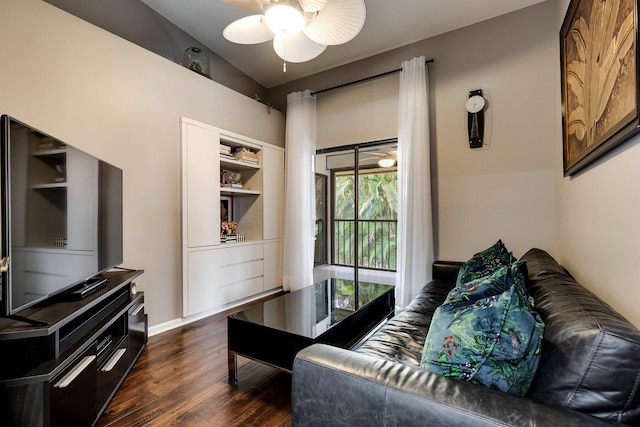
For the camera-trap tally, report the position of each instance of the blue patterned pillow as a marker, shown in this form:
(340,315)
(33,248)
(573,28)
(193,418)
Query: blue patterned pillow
(495,283)
(494,340)
(485,262)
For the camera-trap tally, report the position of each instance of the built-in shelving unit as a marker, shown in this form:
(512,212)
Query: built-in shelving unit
(219,274)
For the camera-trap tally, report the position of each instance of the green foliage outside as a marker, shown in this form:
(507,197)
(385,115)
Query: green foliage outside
(378,213)
(367,292)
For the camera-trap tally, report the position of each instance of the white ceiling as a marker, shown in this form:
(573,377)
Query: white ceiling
(389,24)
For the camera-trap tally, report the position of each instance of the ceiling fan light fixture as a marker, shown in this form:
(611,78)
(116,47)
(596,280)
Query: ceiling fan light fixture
(297,48)
(284,19)
(248,30)
(300,29)
(337,23)
(386,162)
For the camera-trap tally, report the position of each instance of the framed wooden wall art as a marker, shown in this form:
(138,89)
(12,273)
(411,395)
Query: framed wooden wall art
(599,62)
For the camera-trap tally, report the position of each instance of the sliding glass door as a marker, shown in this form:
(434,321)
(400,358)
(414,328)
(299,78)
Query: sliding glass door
(363,211)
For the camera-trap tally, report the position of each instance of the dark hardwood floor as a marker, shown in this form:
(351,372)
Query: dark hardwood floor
(181,379)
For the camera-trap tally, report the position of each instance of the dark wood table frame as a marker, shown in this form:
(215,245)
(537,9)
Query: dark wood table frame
(278,348)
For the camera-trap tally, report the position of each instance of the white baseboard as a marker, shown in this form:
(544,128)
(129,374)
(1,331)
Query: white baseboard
(176,323)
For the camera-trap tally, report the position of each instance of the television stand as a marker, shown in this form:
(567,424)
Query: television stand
(88,287)
(66,373)
(26,320)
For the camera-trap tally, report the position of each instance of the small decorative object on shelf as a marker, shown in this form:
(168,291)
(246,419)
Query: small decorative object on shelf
(227,227)
(243,154)
(225,152)
(48,143)
(232,238)
(62,171)
(230,179)
(196,60)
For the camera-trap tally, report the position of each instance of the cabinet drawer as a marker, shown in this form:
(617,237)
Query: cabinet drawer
(73,398)
(239,290)
(238,254)
(242,271)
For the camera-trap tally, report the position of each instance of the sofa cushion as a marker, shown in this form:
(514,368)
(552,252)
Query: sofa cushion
(401,338)
(485,262)
(590,360)
(489,336)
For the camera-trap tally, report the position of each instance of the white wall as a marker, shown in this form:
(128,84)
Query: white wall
(121,103)
(504,191)
(598,227)
(515,189)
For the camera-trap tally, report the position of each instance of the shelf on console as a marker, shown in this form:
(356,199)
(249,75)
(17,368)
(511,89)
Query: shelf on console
(50,185)
(227,191)
(51,152)
(237,165)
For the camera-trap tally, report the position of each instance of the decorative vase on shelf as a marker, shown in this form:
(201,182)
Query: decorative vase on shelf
(196,60)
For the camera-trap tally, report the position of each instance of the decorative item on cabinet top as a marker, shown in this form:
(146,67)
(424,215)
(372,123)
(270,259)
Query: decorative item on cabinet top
(196,60)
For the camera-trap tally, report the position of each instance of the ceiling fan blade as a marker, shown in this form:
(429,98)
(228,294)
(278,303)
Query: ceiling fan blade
(248,30)
(312,5)
(297,48)
(338,22)
(245,4)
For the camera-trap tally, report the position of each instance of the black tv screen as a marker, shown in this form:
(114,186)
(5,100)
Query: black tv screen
(61,216)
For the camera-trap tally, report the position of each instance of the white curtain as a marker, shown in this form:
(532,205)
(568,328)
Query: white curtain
(297,265)
(415,230)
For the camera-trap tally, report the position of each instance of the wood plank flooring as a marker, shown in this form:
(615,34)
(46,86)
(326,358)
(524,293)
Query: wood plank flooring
(181,378)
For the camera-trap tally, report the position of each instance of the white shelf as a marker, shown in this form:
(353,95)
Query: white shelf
(50,185)
(50,152)
(236,165)
(227,191)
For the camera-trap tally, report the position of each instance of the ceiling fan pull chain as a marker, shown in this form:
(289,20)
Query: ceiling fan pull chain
(284,54)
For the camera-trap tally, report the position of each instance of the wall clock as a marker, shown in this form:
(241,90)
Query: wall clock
(475,118)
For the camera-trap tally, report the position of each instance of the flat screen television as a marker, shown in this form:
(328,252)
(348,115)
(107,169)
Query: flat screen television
(61,216)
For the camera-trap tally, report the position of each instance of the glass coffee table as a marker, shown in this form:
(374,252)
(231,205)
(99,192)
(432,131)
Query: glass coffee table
(335,311)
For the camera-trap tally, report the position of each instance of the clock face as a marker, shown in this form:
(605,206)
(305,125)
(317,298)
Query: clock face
(475,104)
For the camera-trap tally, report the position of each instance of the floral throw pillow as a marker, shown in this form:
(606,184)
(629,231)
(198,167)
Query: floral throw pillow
(485,262)
(494,283)
(494,340)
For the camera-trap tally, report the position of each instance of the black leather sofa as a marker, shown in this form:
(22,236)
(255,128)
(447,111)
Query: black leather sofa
(588,375)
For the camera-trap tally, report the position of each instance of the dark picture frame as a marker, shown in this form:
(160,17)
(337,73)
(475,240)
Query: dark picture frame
(226,209)
(599,79)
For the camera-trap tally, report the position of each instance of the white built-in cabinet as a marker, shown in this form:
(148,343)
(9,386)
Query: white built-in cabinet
(217,275)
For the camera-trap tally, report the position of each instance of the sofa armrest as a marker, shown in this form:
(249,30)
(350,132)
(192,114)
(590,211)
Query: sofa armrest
(337,387)
(445,270)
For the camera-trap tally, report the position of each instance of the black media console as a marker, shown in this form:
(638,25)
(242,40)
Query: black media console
(64,367)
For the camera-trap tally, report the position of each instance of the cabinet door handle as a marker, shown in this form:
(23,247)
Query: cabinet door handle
(137,309)
(114,359)
(73,374)
(4,264)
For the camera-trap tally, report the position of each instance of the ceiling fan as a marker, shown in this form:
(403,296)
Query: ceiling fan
(300,29)
(386,159)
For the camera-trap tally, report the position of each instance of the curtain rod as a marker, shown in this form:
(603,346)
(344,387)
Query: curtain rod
(350,147)
(377,76)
